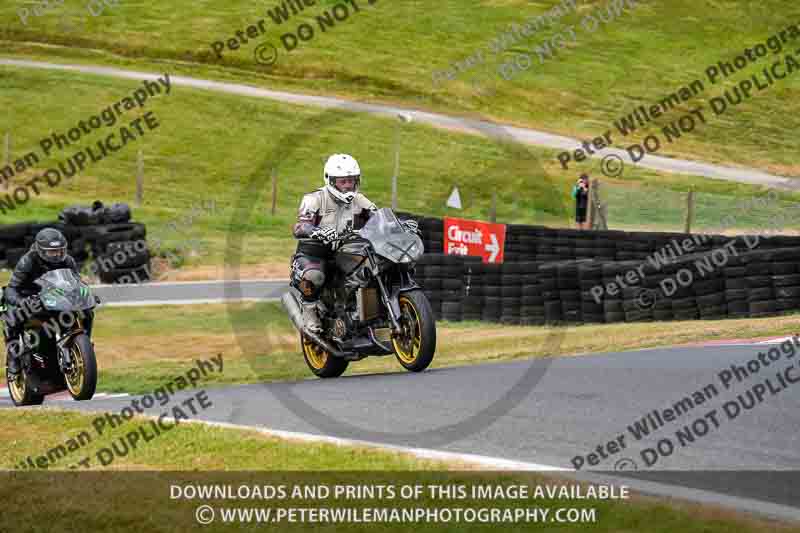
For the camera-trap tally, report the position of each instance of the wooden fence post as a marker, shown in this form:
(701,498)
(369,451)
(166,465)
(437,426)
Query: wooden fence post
(6,154)
(139,178)
(598,210)
(493,209)
(603,216)
(274,191)
(689,211)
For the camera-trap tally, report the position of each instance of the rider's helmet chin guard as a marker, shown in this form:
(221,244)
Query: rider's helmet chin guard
(341,166)
(51,246)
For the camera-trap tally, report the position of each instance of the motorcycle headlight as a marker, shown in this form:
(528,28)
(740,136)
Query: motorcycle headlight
(414,253)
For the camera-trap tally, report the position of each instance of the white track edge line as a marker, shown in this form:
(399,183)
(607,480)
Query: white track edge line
(201,282)
(772,510)
(146,303)
(767,509)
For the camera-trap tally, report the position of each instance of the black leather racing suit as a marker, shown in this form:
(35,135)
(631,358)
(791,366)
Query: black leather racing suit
(21,285)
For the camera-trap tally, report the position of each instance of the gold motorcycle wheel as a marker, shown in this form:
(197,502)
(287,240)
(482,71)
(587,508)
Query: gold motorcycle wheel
(415,346)
(21,393)
(320,361)
(82,379)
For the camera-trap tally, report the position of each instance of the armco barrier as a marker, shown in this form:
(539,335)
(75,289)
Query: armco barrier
(567,276)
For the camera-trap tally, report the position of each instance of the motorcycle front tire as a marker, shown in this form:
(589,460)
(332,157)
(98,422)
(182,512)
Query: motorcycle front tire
(82,381)
(416,347)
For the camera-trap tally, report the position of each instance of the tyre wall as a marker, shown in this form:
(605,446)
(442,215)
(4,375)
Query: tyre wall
(568,276)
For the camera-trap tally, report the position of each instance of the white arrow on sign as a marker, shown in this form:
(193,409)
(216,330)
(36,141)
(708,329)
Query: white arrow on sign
(493,247)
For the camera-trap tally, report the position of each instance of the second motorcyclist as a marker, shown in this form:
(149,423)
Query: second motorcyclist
(48,252)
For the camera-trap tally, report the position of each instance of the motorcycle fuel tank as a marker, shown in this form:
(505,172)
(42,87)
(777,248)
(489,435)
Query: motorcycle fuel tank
(350,256)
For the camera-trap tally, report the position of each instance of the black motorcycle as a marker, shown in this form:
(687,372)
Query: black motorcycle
(55,346)
(371,304)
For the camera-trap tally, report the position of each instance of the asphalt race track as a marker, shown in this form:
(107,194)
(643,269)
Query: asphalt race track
(189,292)
(580,403)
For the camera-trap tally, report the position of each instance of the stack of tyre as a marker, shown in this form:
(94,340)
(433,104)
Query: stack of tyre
(736,294)
(662,308)
(452,292)
(551,297)
(532,302)
(119,249)
(511,280)
(786,278)
(432,234)
(584,242)
(565,245)
(520,243)
(680,297)
(635,247)
(545,244)
(771,281)
(604,245)
(569,291)
(453,285)
(492,305)
(16,240)
(709,292)
(590,275)
(760,278)
(473,283)
(428,274)
(611,297)
(120,253)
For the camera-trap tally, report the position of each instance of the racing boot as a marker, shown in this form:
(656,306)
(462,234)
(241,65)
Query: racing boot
(10,334)
(311,322)
(12,360)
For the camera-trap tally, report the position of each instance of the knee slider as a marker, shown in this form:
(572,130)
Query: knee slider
(311,282)
(317,277)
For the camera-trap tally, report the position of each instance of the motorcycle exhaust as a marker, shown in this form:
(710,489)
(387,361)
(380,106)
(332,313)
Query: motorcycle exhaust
(292,306)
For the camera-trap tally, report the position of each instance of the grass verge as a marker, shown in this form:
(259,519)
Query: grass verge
(604,71)
(228,155)
(202,455)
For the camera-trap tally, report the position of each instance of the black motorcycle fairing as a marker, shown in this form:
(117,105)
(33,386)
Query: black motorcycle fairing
(63,290)
(48,334)
(405,283)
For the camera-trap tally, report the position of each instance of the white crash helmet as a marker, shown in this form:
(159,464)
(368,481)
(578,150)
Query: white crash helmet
(342,166)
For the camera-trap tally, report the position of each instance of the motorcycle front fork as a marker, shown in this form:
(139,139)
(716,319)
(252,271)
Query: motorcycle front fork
(64,356)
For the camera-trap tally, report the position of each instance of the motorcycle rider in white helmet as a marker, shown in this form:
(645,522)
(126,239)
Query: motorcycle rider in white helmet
(332,210)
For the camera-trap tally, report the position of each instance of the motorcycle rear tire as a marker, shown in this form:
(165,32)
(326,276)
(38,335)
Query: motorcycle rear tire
(320,361)
(418,354)
(83,358)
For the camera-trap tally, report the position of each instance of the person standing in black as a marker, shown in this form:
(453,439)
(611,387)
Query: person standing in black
(580,192)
